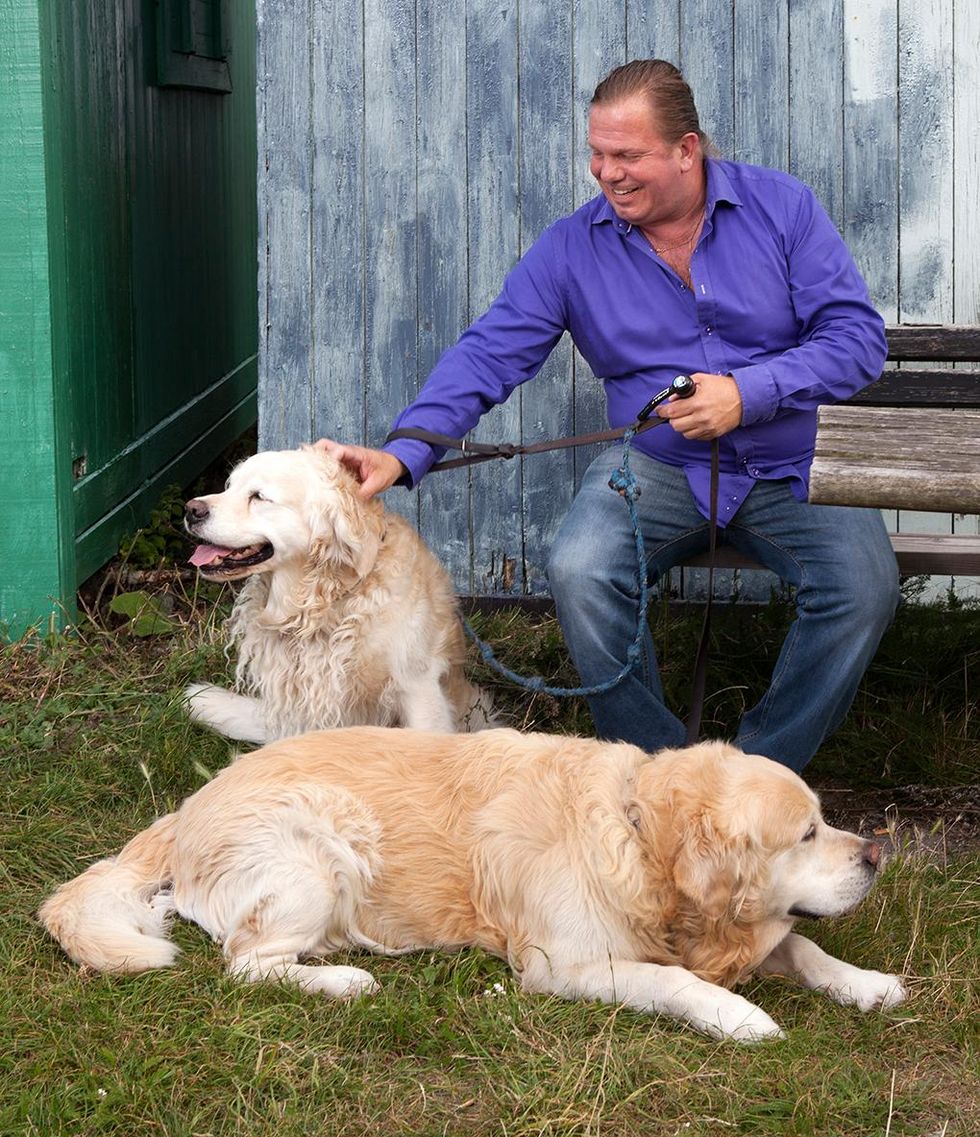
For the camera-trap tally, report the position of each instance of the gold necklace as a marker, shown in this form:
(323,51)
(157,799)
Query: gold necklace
(692,233)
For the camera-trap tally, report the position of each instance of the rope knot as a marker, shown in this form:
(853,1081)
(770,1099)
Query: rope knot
(623,482)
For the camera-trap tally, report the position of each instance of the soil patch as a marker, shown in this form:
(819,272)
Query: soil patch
(943,821)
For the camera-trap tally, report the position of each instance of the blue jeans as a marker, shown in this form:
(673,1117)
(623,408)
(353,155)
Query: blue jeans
(840,561)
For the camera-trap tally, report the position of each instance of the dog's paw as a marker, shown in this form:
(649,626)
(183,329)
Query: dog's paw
(742,1021)
(871,990)
(196,694)
(338,982)
(235,716)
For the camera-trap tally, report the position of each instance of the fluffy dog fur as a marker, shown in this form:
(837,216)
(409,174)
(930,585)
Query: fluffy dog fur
(597,871)
(347,619)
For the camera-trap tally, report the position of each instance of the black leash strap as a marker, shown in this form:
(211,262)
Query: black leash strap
(473,452)
(701,660)
(681,387)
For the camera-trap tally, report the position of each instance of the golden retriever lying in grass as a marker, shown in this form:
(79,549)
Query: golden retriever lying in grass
(347,619)
(595,870)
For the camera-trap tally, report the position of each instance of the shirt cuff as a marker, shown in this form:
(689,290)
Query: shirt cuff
(415,456)
(760,397)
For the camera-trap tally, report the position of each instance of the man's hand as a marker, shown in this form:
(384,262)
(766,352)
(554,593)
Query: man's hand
(714,409)
(376,470)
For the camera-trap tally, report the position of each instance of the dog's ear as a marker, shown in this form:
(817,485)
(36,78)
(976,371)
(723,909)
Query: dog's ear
(710,867)
(345,532)
(717,871)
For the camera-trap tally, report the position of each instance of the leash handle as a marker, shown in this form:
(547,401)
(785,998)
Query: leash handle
(683,386)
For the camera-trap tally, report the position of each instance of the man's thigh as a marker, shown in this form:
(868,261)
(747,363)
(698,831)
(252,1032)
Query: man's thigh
(806,544)
(600,527)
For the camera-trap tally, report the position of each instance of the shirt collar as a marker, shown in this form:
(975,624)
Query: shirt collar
(720,189)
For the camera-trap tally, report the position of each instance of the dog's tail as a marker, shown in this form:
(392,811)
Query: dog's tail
(114,917)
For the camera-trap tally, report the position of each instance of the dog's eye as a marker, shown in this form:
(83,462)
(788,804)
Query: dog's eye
(810,833)
(256,496)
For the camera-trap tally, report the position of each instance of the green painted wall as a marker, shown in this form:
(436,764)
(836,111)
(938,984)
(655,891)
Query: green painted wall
(140,266)
(36,526)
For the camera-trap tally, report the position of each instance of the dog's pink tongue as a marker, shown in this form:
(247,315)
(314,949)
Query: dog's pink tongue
(205,554)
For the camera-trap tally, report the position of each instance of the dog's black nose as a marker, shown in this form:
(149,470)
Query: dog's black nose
(195,510)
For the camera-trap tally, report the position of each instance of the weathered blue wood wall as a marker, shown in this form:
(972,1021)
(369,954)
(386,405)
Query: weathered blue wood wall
(410,151)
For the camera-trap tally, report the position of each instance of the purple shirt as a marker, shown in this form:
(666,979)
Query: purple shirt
(776,301)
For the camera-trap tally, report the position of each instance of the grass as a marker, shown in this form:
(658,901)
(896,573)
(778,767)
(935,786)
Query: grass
(95,745)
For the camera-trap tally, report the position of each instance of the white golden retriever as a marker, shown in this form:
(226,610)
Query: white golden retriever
(595,870)
(347,619)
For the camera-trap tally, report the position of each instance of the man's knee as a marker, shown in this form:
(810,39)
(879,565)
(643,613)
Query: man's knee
(570,569)
(875,583)
(865,590)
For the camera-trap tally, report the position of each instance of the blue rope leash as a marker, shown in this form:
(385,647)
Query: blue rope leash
(623,480)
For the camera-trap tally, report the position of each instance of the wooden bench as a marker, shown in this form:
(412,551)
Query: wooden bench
(910,440)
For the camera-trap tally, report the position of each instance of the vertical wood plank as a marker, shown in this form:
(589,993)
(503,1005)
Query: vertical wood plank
(816,113)
(547,410)
(35,513)
(390,211)
(337,369)
(966,178)
(925,193)
(707,60)
(290,276)
(871,146)
(598,45)
(925,106)
(761,80)
(442,250)
(966,142)
(653,30)
(492,212)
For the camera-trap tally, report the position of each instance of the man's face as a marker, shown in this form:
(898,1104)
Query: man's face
(645,179)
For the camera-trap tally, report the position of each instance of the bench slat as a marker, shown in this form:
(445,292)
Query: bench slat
(916,553)
(887,458)
(933,341)
(924,387)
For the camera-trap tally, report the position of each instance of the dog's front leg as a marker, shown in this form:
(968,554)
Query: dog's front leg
(235,716)
(657,989)
(800,959)
(423,703)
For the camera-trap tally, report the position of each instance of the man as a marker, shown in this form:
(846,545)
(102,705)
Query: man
(735,275)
